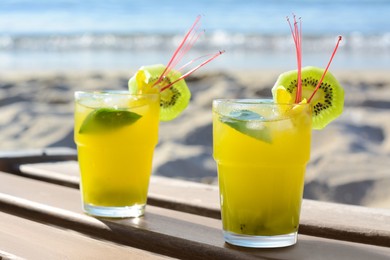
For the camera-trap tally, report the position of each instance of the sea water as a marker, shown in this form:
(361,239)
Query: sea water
(125,34)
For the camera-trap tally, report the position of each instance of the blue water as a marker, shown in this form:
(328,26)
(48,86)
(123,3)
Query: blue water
(114,34)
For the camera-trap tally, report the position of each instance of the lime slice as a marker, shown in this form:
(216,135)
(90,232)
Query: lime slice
(249,123)
(107,119)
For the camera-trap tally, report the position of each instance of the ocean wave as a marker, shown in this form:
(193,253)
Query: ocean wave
(354,42)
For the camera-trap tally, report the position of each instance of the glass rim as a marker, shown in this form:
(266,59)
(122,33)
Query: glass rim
(255,101)
(79,93)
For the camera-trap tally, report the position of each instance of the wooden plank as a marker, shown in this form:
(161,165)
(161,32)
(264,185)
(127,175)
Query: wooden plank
(25,239)
(10,160)
(346,222)
(331,220)
(161,230)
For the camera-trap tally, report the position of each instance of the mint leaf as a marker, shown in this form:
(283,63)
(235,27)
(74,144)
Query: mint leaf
(248,123)
(107,119)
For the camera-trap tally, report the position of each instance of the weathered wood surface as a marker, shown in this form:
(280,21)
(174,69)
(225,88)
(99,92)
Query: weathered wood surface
(330,220)
(21,238)
(10,160)
(161,231)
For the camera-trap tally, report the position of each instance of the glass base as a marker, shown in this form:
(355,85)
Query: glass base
(115,212)
(260,241)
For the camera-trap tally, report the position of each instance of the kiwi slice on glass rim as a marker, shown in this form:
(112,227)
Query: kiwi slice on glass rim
(312,85)
(169,82)
(173,100)
(327,103)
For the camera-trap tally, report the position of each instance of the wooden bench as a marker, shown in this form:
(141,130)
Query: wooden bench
(41,218)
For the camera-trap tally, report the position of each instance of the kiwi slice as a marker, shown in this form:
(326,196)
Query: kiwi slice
(327,103)
(173,100)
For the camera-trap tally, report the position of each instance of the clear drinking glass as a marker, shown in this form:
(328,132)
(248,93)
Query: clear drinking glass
(116,133)
(261,150)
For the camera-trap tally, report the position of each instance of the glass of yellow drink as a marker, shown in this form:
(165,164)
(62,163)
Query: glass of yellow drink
(261,150)
(116,133)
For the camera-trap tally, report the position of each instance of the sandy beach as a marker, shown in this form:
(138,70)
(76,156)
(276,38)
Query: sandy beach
(349,159)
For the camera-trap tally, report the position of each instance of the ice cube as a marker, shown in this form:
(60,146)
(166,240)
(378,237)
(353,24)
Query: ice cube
(255,125)
(90,102)
(116,101)
(283,125)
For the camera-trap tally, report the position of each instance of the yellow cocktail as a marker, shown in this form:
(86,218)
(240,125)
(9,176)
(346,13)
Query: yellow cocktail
(116,134)
(261,150)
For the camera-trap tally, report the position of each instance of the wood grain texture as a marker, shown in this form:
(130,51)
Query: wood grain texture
(25,239)
(10,160)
